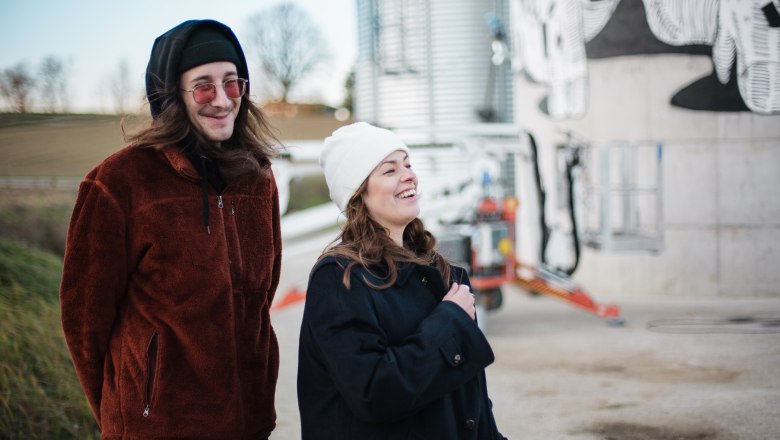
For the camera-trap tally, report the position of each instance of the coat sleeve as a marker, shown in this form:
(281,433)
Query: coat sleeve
(93,283)
(382,382)
(277,244)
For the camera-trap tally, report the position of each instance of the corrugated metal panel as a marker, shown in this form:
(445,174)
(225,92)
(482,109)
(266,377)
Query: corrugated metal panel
(403,100)
(427,63)
(364,99)
(461,53)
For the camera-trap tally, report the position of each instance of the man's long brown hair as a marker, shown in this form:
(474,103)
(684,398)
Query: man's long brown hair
(366,243)
(247,154)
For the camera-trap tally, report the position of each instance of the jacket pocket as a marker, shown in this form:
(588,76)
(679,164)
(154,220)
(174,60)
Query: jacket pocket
(152,366)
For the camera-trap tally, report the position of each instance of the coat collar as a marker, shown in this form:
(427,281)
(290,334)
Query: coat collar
(431,274)
(180,163)
(405,271)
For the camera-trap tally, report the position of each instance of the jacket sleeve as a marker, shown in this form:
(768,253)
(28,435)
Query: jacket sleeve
(93,283)
(382,382)
(277,244)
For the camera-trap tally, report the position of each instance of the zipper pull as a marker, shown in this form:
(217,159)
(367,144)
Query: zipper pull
(232,208)
(219,201)
(146,410)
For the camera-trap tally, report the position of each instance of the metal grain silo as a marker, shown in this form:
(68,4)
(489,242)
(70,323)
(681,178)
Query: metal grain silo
(431,68)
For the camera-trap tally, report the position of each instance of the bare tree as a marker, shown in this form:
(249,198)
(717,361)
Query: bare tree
(53,85)
(288,45)
(120,87)
(16,84)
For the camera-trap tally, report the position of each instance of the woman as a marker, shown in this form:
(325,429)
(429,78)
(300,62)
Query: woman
(389,346)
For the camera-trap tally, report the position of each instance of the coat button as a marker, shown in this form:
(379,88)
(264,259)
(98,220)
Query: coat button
(457,359)
(470,424)
(424,281)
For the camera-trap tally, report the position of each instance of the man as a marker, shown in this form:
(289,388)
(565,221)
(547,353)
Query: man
(173,256)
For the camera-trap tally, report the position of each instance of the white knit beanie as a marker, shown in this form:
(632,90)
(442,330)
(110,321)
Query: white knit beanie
(351,153)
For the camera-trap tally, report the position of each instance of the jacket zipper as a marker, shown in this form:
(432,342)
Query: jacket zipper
(152,362)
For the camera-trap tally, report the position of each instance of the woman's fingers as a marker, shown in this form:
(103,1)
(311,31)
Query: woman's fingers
(461,295)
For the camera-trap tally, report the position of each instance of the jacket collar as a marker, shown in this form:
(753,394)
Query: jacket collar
(374,275)
(405,272)
(429,275)
(180,163)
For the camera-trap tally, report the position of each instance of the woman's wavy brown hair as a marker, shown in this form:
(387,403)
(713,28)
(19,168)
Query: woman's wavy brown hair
(247,154)
(366,243)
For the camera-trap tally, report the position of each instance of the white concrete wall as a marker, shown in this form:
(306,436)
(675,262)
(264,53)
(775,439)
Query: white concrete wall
(721,176)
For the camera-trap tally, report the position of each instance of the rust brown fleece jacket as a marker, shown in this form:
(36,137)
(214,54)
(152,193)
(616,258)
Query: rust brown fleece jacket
(168,325)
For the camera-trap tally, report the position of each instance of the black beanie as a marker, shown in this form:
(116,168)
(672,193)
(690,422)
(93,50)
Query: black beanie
(207,45)
(179,47)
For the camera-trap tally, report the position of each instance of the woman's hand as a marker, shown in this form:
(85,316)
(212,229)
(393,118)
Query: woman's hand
(461,295)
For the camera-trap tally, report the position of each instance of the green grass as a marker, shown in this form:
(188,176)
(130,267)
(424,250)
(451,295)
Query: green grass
(307,192)
(37,218)
(40,397)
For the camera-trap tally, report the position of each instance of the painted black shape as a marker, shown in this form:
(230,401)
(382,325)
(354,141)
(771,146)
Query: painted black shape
(627,33)
(771,14)
(544,106)
(709,94)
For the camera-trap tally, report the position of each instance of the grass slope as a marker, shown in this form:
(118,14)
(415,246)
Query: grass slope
(40,397)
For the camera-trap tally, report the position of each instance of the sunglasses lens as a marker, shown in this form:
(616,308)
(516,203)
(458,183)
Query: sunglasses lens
(204,93)
(234,88)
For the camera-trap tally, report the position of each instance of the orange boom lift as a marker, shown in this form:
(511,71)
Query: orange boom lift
(493,264)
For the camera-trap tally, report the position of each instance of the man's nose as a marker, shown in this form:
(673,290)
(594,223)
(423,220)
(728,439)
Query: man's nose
(221,99)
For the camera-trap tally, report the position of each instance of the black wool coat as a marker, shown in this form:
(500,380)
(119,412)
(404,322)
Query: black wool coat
(394,364)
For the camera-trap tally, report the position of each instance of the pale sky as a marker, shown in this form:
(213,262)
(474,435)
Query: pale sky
(94,36)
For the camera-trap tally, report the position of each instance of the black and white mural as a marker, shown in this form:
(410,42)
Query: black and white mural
(553,39)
